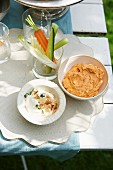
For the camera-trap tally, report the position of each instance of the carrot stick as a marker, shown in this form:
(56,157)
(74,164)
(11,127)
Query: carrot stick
(40,40)
(43,36)
(39,34)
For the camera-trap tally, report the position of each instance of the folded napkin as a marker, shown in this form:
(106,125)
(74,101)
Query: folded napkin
(60,152)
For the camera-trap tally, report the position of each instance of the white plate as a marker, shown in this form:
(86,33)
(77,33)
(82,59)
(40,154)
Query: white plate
(48,3)
(48,86)
(76,117)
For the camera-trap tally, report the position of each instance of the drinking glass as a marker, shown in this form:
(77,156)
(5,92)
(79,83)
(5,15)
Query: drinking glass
(40,69)
(41,18)
(5,50)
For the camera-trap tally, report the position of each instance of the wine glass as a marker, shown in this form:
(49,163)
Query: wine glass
(5,50)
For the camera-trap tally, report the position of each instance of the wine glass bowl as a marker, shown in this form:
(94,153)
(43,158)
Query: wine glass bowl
(5,50)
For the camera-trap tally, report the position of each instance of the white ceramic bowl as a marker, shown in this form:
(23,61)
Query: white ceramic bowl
(46,85)
(82,59)
(4,8)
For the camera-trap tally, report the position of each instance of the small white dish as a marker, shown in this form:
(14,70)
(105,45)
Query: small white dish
(82,59)
(49,87)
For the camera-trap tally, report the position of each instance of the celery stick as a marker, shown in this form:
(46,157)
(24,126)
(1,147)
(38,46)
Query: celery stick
(31,23)
(50,50)
(36,53)
(61,43)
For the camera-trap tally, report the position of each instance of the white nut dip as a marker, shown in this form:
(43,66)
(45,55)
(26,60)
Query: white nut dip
(41,102)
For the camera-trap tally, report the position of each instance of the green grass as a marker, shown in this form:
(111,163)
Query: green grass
(108,8)
(84,160)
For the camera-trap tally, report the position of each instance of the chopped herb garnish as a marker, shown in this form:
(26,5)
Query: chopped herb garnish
(42,95)
(31,92)
(42,111)
(25,96)
(37,106)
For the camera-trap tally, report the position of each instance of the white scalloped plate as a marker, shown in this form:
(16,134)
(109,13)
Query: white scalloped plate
(16,73)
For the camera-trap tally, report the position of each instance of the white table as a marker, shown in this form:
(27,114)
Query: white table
(92,2)
(88,17)
(99,135)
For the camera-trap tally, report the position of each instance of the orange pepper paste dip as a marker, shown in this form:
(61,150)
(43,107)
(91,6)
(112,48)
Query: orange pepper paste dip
(83,80)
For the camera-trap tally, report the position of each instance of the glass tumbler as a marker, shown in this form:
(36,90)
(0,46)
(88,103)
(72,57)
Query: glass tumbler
(43,71)
(5,50)
(41,18)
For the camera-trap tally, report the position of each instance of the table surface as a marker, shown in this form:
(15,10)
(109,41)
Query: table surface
(94,23)
(99,135)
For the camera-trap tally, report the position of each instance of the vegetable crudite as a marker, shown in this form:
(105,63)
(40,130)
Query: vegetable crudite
(42,47)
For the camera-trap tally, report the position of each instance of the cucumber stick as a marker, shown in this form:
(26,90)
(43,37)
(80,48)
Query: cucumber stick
(50,49)
(55,27)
